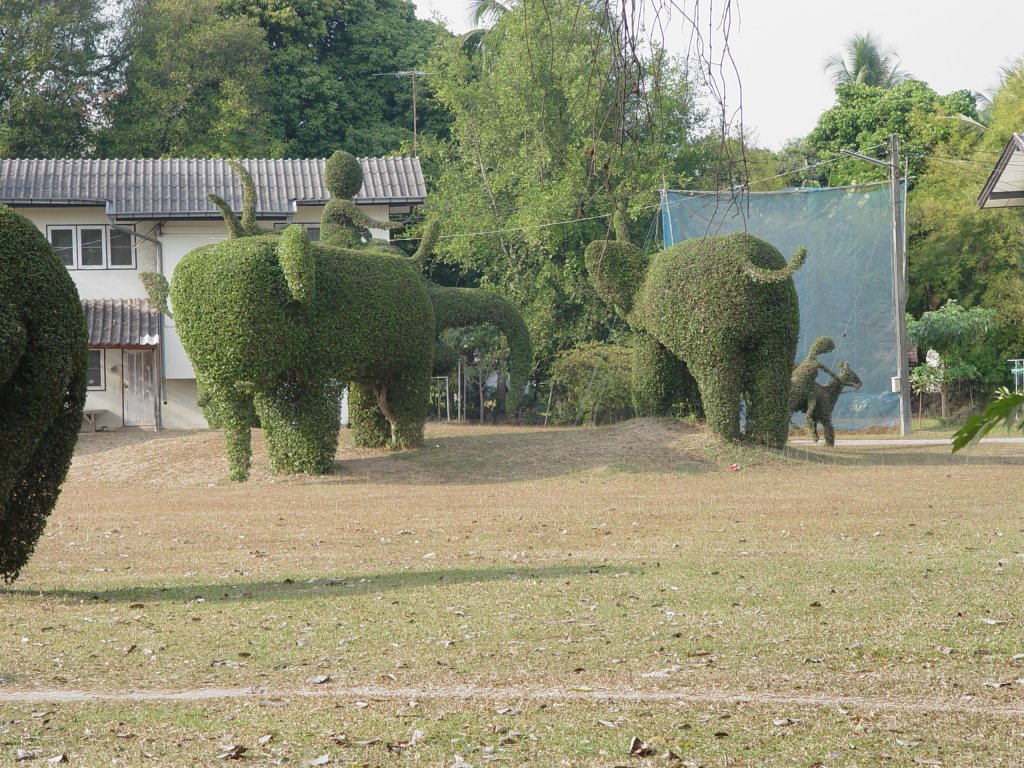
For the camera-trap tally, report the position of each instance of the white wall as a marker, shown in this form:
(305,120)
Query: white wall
(111,397)
(180,410)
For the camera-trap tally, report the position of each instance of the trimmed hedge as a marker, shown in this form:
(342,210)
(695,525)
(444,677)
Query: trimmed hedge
(727,307)
(43,373)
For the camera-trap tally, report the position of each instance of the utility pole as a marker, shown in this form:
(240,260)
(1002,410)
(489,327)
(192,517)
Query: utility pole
(414,74)
(899,259)
(901,382)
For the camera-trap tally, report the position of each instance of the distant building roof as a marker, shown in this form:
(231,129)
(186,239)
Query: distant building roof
(117,323)
(1005,187)
(177,188)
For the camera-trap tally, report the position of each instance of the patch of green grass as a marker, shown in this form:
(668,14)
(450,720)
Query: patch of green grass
(624,559)
(503,732)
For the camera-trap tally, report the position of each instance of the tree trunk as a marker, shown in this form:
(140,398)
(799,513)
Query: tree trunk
(483,383)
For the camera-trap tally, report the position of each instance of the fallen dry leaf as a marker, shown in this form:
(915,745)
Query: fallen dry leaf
(639,748)
(232,752)
(324,759)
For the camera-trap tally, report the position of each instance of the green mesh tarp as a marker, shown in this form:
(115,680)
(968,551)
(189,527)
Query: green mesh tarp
(845,288)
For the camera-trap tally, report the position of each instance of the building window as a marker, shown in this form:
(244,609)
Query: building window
(96,378)
(92,247)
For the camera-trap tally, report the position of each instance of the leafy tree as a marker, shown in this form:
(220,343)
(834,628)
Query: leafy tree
(194,84)
(593,383)
(52,66)
(865,62)
(332,69)
(486,352)
(952,331)
(959,251)
(550,126)
(864,116)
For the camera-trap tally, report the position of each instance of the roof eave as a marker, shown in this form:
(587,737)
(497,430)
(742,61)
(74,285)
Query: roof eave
(989,195)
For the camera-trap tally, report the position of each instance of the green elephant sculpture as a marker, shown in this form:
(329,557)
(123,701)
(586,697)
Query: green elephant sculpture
(43,373)
(277,326)
(722,309)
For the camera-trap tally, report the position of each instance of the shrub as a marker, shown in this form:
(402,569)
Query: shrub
(43,372)
(592,383)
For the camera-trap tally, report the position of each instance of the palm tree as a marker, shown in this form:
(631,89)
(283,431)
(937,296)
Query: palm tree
(484,12)
(865,62)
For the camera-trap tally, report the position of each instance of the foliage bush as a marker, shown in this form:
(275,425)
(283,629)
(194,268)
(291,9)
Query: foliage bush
(727,307)
(592,383)
(43,373)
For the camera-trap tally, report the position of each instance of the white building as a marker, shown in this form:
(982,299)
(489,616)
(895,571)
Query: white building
(109,220)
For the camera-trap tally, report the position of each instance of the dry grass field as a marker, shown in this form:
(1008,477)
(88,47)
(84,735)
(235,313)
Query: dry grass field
(521,596)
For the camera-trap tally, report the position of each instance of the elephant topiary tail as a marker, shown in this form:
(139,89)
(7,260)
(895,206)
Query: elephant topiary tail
(461,307)
(761,275)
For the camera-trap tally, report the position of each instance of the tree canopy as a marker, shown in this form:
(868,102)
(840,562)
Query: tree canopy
(549,126)
(52,69)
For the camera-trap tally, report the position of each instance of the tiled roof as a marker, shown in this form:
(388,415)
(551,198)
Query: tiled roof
(121,323)
(178,187)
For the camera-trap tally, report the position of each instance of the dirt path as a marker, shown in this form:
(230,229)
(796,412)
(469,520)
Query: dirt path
(469,693)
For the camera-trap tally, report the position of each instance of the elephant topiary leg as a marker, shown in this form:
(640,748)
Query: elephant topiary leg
(231,410)
(768,380)
(721,398)
(301,423)
(407,400)
(369,427)
(661,380)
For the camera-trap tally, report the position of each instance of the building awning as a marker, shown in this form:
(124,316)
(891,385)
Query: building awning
(121,323)
(1005,187)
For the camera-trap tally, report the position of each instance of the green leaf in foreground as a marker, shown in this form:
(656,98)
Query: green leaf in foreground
(1004,409)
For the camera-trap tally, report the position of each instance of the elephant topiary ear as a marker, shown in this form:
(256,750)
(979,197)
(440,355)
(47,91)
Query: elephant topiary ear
(343,176)
(298,262)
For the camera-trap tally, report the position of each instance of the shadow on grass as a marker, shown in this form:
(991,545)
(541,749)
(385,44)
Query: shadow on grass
(329,587)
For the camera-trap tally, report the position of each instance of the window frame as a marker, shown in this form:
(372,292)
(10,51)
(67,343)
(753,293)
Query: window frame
(102,386)
(106,240)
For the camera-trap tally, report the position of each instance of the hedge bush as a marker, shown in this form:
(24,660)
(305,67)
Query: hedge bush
(592,383)
(43,373)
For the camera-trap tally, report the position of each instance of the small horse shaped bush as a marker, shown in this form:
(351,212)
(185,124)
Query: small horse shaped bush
(825,397)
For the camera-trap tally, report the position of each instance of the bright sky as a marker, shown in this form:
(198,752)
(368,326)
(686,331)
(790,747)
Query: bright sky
(780,48)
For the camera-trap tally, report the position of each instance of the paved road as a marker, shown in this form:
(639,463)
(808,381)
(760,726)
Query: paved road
(910,441)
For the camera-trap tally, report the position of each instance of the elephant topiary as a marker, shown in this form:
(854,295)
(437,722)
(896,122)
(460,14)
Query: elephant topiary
(43,373)
(726,307)
(281,325)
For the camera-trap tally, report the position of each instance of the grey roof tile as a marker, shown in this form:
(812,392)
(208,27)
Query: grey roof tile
(178,187)
(114,323)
